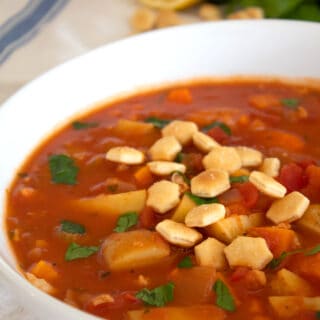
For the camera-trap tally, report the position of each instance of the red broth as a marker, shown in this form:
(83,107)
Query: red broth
(278,119)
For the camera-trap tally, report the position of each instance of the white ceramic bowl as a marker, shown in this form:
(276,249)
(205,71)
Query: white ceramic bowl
(272,48)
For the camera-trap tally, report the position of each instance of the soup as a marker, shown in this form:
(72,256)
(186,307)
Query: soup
(189,202)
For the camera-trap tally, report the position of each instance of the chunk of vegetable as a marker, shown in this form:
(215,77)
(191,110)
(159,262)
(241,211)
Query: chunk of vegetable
(203,312)
(310,221)
(129,127)
(113,204)
(229,228)
(185,205)
(41,284)
(287,283)
(190,292)
(133,249)
(44,270)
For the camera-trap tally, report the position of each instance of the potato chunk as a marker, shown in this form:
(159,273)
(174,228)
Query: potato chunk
(134,249)
(248,252)
(310,221)
(229,228)
(287,283)
(185,205)
(113,204)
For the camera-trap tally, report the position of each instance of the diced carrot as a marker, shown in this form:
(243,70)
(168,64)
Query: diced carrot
(44,270)
(279,240)
(181,95)
(147,218)
(244,120)
(264,101)
(144,177)
(313,174)
(306,266)
(282,139)
(41,244)
(302,113)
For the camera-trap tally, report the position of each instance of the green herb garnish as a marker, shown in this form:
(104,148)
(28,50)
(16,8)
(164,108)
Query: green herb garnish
(290,103)
(179,158)
(63,169)
(125,221)
(78,125)
(239,179)
(158,123)
(72,227)
(182,175)
(185,263)
(220,125)
(199,201)
(157,297)
(313,251)
(224,298)
(76,251)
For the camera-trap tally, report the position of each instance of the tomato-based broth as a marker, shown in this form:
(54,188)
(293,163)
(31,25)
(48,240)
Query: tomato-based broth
(192,202)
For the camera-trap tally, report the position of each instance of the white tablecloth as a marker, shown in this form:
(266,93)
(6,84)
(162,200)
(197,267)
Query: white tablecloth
(37,35)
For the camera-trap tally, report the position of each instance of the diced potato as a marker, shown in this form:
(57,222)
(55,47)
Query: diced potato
(41,284)
(255,280)
(229,228)
(134,249)
(194,285)
(310,221)
(129,127)
(248,252)
(185,205)
(203,312)
(287,306)
(287,283)
(210,253)
(113,204)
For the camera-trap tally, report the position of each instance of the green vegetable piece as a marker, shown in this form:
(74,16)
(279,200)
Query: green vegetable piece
(72,227)
(125,221)
(78,125)
(239,179)
(313,251)
(224,298)
(76,251)
(185,263)
(179,158)
(220,125)
(274,263)
(318,315)
(63,169)
(158,123)
(291,103)
(199,201)
(158,296)
(183,176)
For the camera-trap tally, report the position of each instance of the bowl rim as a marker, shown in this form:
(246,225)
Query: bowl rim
(14,275)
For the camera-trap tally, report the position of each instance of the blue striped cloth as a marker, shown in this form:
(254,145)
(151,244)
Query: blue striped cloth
(25,24)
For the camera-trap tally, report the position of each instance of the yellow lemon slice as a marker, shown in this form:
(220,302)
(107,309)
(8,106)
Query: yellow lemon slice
(170,4)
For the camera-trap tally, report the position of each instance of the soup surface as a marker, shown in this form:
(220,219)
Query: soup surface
(194,202)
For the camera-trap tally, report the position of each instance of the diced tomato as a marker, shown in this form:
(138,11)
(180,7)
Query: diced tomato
(304,164)
(239,273)
(147,218)
(218,134)
(250,194)
(193,162)
(293,177)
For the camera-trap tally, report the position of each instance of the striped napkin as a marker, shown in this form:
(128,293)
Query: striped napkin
(37,35)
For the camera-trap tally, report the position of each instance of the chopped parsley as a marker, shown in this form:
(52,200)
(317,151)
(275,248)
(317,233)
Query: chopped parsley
(72,227)
(291,103)
(185,263)
(313,251)
(220,125)
(158,296)
(239,179)
(158,123)
(224,298)
(125,221)
(179,158)
(76,251)
(78,125)
(63,169)
(199,201)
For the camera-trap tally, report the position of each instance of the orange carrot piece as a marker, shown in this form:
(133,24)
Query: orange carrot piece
(279,240)
(41,244)
(181,95)
(264,101)
(144,177)
(44,270)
